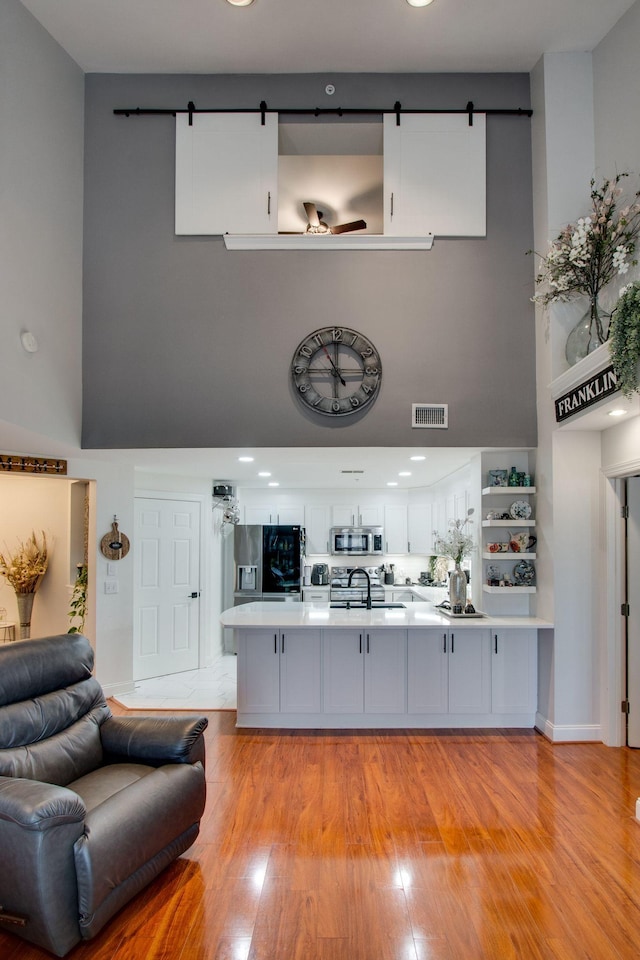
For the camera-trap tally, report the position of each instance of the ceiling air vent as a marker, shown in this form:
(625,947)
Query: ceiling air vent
(432,415)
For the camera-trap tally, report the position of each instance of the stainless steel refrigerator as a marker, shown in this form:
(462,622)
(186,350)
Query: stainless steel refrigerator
(266,564)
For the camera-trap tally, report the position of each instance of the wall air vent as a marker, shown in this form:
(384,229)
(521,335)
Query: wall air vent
(352,471)
(432,415)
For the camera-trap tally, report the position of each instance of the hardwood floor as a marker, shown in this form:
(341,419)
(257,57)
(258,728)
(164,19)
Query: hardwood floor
(395,845)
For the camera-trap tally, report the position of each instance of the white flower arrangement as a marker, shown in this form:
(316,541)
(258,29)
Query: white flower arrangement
(456,544)
(589,254)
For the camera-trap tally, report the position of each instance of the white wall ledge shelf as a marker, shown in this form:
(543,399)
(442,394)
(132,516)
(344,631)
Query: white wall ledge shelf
(508,555)
(508,491)
(487,589)
(508,523)
(310,241)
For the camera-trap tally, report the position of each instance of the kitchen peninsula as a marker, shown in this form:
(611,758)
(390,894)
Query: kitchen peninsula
(310,665)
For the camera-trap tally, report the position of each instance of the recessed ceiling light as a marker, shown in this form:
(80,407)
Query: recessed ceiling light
(392,483)
(245,459)
(617,413)
(418,456)
(273,483)
(245,3)
(264,473)
(405,473)
(419,3)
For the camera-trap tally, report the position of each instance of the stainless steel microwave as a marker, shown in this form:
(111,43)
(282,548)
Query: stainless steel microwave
(356,541)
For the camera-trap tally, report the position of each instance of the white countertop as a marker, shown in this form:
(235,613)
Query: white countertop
(320,615)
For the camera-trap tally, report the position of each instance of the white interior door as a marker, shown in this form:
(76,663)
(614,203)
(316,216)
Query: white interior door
(167,587)
(633,620)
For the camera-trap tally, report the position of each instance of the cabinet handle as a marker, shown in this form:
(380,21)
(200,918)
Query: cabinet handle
(444,643)
(275,643)
(495,637)
(453,639)
(283,642)
(360,643)
(367,643)
(269,203)
(391,204)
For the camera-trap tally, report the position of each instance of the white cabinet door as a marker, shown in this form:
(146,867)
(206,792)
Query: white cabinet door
(258,671)
(343,671)
(300,671)
(514,671)
(226,173)
(385,665)
(344,515)
(428,671)
(370,515)
(395,528)
(469,671)
(435,175)
(358,515)
(271,514)
(420,528)
(260,515)
(316,522)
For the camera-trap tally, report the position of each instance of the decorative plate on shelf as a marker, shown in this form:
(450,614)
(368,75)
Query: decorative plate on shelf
(524,573)
(520,510)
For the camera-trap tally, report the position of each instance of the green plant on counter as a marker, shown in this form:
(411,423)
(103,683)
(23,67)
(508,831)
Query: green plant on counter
(78,604)
(624,339)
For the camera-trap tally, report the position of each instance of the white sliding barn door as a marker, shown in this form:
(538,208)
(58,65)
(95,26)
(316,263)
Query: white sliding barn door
(167,587)
(633,620)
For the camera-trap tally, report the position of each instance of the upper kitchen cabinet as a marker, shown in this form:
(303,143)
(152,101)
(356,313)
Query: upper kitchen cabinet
(435,175)
(408,182)
(226,173)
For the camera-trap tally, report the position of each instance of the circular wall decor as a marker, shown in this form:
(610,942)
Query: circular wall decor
(336,371)
(114,545)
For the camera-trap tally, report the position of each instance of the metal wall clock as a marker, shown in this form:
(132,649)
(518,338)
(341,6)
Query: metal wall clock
(336,371)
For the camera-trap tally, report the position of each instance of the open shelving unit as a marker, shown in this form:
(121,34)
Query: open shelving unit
(507,596)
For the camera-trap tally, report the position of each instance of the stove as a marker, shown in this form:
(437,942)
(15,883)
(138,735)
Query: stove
(357,592)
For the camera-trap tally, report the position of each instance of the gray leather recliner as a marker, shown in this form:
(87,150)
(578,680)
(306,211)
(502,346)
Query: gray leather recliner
(92,806)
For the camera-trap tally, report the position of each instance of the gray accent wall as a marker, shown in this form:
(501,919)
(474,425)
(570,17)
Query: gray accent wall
(186,344)
(41,165)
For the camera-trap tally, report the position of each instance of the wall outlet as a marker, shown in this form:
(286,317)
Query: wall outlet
(111,586)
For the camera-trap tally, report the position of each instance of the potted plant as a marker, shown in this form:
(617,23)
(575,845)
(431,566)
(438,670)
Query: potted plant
(585,257)
(78,603)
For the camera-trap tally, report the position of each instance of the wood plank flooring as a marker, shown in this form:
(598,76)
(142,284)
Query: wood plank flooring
(395,845)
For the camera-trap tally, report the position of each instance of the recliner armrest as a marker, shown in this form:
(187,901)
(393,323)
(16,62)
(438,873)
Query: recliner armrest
(154,740)
(39,824)
(38,806)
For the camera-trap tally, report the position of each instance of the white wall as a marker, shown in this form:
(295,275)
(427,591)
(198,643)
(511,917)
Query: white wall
(41,184)
(616,73)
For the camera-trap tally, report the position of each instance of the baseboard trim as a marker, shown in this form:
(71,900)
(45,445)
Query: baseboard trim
(568,733)
(112,689)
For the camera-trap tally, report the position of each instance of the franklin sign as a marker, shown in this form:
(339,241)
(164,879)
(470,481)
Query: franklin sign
(599,386)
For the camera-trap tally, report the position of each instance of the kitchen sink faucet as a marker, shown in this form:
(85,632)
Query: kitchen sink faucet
(364,572)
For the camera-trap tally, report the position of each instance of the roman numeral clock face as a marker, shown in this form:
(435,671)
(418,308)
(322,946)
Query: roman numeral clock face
(336,371)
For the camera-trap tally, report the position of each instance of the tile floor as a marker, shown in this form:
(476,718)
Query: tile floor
(212,688)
